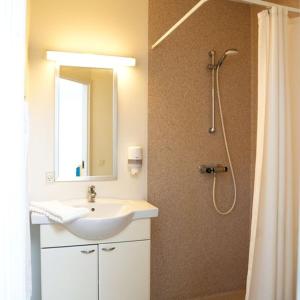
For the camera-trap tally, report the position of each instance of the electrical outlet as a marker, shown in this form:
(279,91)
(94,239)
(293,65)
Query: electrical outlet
(49,177)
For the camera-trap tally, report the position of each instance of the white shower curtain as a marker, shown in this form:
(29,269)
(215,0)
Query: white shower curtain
(272,270)
(14,217)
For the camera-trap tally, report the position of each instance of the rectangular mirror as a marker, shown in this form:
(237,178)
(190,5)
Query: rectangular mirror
(85,124)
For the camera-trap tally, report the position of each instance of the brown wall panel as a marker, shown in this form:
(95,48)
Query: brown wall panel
(194,250)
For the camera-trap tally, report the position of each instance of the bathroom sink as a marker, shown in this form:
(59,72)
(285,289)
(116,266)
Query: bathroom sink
(106,218)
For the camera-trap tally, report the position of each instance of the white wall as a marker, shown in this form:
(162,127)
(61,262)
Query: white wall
(99,26)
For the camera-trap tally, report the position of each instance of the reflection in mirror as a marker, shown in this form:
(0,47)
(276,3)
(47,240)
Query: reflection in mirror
(85,124)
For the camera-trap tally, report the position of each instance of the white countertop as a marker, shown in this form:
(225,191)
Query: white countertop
(142,209)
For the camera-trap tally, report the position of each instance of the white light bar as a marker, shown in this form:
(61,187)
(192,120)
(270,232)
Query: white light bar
(90,60)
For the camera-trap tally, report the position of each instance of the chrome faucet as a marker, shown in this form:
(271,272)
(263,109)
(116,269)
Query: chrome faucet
(92,193)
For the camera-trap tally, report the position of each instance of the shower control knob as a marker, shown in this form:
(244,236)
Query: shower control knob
(220,169)
(206,169)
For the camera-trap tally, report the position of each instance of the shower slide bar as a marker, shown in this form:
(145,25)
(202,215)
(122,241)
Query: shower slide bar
(201,2)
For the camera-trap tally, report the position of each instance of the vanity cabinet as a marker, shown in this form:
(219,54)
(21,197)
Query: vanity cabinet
(70,273)
(124,271)
(114,269)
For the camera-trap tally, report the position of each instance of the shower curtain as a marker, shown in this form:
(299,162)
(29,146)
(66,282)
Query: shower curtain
(14,217)
(272,269)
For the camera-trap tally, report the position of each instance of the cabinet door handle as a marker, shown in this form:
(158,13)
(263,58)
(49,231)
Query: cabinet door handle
(87,251)
(108,249)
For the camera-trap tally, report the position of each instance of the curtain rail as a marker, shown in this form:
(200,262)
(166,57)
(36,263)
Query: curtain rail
(201,2)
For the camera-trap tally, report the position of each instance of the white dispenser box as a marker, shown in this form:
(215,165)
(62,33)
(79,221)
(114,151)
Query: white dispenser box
(135,159)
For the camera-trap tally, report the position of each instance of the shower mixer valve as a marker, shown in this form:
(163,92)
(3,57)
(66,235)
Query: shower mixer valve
(213,169)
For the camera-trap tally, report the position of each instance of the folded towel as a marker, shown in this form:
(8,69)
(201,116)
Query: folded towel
(57,211)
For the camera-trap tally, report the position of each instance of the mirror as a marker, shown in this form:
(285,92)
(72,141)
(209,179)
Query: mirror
(85,124)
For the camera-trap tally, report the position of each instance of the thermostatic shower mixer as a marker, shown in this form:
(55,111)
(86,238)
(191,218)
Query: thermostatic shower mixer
(212,169)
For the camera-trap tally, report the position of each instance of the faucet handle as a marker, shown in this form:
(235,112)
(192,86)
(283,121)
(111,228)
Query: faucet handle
(92,193)
(91,189)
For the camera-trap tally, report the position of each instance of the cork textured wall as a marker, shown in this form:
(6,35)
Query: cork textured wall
(196,252)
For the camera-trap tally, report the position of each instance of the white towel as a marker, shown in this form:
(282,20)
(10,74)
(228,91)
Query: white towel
(57,211)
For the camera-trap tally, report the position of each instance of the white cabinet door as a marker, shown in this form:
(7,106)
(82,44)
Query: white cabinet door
(124,271)
(70,273)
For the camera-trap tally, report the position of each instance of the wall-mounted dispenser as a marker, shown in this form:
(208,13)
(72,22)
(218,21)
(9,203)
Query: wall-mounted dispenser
(135,159)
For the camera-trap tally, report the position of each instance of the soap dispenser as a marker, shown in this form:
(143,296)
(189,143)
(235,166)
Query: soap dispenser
(135,159)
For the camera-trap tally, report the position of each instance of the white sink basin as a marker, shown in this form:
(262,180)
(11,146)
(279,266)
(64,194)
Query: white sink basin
(107,217)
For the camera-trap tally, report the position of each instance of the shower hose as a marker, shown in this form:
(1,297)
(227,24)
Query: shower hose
(228,156)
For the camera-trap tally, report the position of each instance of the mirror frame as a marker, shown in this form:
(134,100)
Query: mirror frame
(114,175)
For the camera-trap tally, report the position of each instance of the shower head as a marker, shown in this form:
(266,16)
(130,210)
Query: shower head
(228,52)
